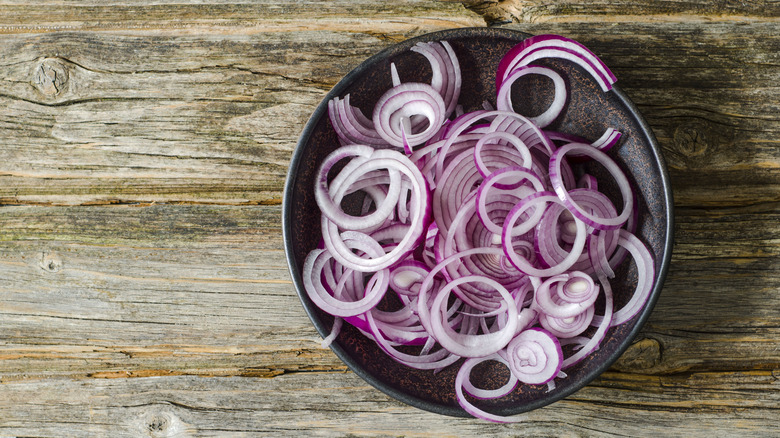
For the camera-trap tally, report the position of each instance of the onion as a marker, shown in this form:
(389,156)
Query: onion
(493,246)
(504,99)
(595,221)
(534,356)
(554,46)
(396,108)
(462,380)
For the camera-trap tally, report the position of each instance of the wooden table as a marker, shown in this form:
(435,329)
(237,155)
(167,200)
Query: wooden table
(143,152)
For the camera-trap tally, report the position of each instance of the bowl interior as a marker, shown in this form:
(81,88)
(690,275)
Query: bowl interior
(589,113)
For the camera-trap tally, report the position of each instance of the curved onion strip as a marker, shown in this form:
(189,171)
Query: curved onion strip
(597,254)
(555,46)
(466,345)
(351,126)
(645,277)
(382,158)
(534,356)
(603,322)
(446,78)
(609,139)
(464,374)
(538,200)
(504,99)
(600,223)
(402,103)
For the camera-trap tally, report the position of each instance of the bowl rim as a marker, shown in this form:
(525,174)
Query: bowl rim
(457,411)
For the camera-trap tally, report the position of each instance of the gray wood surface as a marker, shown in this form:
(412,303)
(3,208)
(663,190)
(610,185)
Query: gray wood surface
(143,150)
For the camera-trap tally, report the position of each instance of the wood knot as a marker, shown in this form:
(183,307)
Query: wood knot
(50,76)
(500,12)
(697,141)
(640,356)
(158,424)
(50,262)
(165,424)
(691,139)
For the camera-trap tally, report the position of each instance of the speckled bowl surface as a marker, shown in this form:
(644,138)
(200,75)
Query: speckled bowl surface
(589,113)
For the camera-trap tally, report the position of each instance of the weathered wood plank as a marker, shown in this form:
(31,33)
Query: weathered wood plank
(189,127)
(533,11)
(187,16)
(340,404)
(176,120)
(170,289)
(185,289)
(385,18)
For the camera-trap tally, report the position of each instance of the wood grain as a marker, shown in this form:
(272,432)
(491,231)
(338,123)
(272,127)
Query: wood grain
(534,11)
(143,150)
(340,404)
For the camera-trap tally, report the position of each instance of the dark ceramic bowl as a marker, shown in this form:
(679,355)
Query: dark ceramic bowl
(590,112)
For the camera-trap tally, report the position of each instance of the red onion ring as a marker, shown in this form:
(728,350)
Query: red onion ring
(400,104)
(600,223)
(504,99)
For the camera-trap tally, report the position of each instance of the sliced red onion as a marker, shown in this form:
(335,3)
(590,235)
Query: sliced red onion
(592,344)
(645,277)
(601,223)
(514,173)
(567,327)
(406,277)
(504,99)
(472,345)
(334,332)
(382,158)
(609,139)
(423,311)
(597,253)
(520,150)
(515,236)
(329,204)
(312,273)
(523,128)
(554,46)
(534,356)
(538,200)
(464,374)
(588,181)
(402,103)
(446,71)
(576,291)
(351,126)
